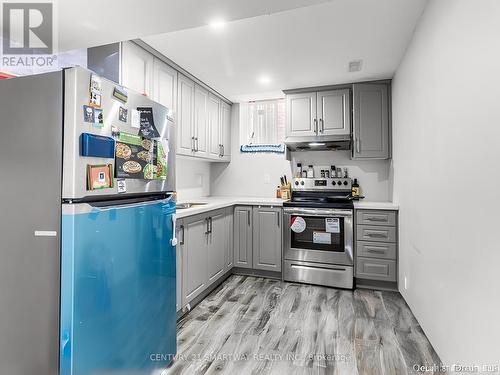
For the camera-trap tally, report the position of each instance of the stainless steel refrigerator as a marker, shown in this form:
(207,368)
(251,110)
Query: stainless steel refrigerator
(87,251)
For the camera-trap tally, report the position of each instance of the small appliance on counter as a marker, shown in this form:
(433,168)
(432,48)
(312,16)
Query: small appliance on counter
(318,232)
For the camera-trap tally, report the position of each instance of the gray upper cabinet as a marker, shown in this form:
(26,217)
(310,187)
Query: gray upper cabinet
(243,236)
(225,131)
(195,257)
(371,121)
(185,116)
(214,125)
(267,224)
(165,85)
(317,114)
(334,112)
(216,244)
(301,114)
(201,129)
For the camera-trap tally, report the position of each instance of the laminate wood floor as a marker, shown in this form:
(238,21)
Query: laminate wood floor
(252,325)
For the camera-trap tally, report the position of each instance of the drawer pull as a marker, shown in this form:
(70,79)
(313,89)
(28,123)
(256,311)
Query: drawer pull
(375,251)
(384,220)
(377,235)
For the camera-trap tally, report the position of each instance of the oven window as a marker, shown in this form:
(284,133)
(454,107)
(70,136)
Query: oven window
(320,233)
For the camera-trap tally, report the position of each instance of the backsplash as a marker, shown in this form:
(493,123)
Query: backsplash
(374,176)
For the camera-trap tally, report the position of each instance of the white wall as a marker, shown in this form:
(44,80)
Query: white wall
(259,174)
(446,121)
(192,178)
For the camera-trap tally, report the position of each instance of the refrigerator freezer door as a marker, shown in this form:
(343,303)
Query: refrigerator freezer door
(77,94)
(30,197)
(118,288)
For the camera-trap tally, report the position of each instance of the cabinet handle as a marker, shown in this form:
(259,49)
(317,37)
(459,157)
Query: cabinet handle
(181,242)
(248,215)
(316,126)
(376,219)
(210,222)
(196,140)
(322,127)
(357,145)
(193,147)
(278,219)
(207,231)
(223,150)
(375,251)
(376,235)
(220,150)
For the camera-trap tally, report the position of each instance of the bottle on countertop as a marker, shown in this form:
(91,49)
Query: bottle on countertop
(298,174)
(355,189)
(310,172)
(338,173)
(333,173)
(278,192)
(346,172)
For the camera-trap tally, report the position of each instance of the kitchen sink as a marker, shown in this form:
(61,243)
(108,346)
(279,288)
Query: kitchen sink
(183,206)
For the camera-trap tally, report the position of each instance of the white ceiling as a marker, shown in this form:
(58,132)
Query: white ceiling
(306,46)
(89,23)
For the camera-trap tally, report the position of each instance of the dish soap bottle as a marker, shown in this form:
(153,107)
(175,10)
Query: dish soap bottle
(355,190)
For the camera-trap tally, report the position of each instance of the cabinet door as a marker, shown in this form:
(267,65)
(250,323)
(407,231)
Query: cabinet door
(165,85)
(214,142)
(226,131)
(229,239)
(185,116)
(301,115)
(334,112)
(201,120)
(371,121)
(180,235)
(195,258)
(243,236)
(267,223)
(137,68)
(216,245)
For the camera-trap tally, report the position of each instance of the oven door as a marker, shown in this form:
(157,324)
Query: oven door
(318,235)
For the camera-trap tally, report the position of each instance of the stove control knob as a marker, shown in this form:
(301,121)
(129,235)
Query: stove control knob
(345,183)
(302,182)
(333,183)
(339,183)
(296,182)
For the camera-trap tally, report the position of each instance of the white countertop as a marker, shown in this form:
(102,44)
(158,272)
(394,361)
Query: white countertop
(214,203)
(373,205)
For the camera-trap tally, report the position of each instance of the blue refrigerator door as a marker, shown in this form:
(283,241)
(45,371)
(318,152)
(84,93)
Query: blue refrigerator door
(118,288)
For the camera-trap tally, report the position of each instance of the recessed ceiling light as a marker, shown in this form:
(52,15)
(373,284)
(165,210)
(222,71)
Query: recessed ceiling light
(217,24)
(264,79)
(355,65)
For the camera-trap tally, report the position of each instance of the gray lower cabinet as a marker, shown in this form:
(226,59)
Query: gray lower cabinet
(243,230)
(202,252)
(217,242)
(376,245)
(229,259)
(267,224)
(194,257)
(371,119)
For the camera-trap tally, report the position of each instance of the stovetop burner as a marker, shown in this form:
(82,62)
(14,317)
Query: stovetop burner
(320,200)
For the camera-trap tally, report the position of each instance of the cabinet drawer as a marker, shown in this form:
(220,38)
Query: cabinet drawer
(374,233)
(372,217)
(376,269)
(376,250)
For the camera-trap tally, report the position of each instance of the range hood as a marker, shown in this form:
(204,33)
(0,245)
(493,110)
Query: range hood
(328,143)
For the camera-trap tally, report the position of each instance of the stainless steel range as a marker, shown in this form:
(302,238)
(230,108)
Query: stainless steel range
(318,232)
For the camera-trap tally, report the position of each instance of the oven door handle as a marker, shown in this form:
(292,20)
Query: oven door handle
(318,212)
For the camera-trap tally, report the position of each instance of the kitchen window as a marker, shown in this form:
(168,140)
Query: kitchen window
(263,126)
